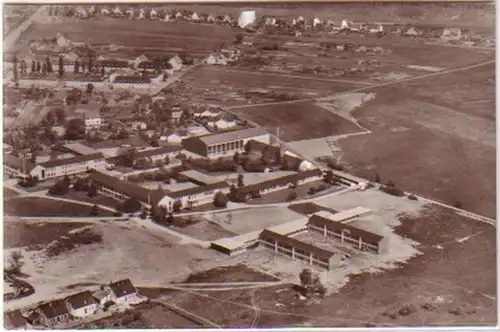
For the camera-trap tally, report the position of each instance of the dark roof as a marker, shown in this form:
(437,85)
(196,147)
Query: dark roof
(258,146)
(72,160)
(122,288)
(229,136)
(131,79)
(198,189)
(337,227)
(14,319)
(54,309)
(268,235)
(113,63)
(154,152)
(284,180)
(81,300)
(129,189)
(291,161)
(309,208)
(17,163)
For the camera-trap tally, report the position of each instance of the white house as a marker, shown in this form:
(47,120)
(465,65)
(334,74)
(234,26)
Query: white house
(81,305)
(178,15)
(61,41)
(223,124)
(153,14)
(210,18)
(93,120)
(174,139)
(195,17)
(216,60)
(167,18)
(176,62)
(142,14)
(123,292)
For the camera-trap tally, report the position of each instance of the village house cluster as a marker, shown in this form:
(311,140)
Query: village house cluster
(76,308)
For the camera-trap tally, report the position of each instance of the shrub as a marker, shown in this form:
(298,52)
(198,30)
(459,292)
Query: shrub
(458,205)
(392,191)
(60,188)
(220,200)
(412,197)
(131,205)
(322,187)
(117,214)
(311,191)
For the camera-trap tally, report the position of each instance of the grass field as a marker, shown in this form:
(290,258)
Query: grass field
(42,207)
(426,140)
(33,235)
(146,34)
(298,121)
(244,80)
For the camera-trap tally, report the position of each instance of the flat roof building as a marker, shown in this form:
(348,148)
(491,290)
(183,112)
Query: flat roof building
(80,149)
(236,244)
(345,233)
(345,216)
(298,250)
(197,177)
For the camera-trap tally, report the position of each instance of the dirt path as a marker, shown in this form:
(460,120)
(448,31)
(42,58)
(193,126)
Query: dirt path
(256,309)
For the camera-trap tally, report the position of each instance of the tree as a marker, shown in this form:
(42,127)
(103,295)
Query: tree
(166,161)
(220,200)
(377,178)
(33,66)
(306,277)
(90,64)
(95,210)
(38,66)
(170,218)
(16,72)
(83,67)
(239,38)
(61,67)
(103,71)
(177,206)
(90,88)
(49,65)
(92,190)
(77,66)
(236,157)
(15,262)
(241,183)
(159,213)
(131,205)
(329,177)
(75,129)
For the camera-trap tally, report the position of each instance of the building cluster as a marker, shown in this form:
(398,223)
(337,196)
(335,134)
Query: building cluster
(335,228)
(82,306)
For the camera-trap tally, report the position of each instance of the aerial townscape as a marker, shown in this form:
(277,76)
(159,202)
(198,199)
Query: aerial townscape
(182,165)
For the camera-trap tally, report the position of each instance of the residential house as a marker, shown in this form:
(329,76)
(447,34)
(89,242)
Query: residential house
(195,196)
(174,139)
(130,82)
(140,59)
(175,62)
(123,292)
(176,114)
(7,148)
(224,144)
(54,313)
(92,119)
(216,59)
(14,320)
(81,305)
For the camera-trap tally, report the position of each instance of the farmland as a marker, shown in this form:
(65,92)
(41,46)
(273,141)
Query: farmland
(298,121)
(148,35)
(35,207)
(235,87)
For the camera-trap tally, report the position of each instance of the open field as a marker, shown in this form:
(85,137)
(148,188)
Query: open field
(233,87)
(298,121)
(43,207)
(204,230)
(9,193)
(33,235)
(147,34)
(424,145)
(99,199)
(124,252)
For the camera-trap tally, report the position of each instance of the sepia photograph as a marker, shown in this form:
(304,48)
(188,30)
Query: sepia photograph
(257,165)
